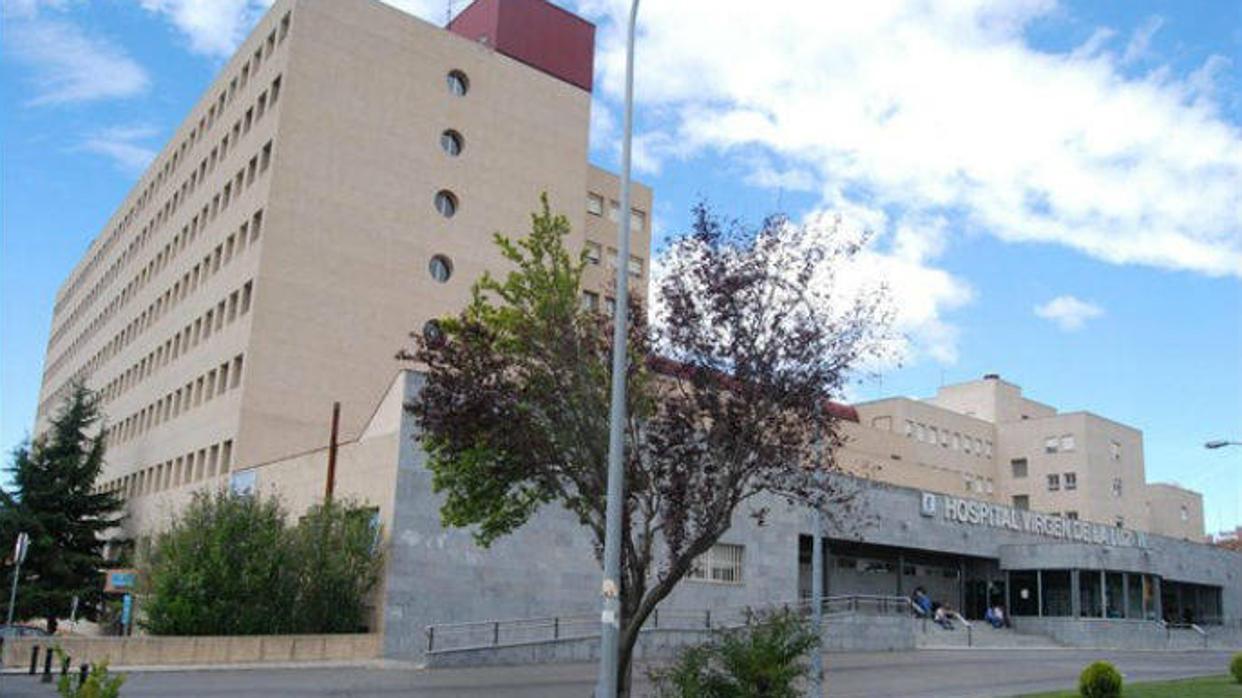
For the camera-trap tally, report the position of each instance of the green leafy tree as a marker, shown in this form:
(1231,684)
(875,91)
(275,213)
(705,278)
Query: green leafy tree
(726,391)
(336,548)
(53,499)
(224,567)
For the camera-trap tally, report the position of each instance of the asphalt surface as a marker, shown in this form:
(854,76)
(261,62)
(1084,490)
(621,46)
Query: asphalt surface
(941,673)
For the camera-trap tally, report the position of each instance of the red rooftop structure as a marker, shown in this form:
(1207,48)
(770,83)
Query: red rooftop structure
(535,32)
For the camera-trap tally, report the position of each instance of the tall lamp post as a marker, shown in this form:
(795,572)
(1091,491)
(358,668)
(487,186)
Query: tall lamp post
(817,573)
(610,589)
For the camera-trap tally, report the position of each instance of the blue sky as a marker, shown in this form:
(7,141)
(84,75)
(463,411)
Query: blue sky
(1054,187)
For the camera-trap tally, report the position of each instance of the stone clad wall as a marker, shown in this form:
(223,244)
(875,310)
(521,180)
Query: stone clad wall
(148,650)
(548,567)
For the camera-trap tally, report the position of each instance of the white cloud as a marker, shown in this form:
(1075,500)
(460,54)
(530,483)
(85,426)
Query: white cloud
(930,109)
(217,27)
(214,27)
(921,294)
(1140,41)
(1068,312)
(67,64)
(124,145)
(904,115)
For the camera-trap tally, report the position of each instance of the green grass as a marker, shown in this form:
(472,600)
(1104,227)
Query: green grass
(1208,687)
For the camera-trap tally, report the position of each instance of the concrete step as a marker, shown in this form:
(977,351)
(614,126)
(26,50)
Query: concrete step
(981,635)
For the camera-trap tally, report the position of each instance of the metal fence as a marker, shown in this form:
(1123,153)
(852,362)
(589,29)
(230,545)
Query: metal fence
(443,637)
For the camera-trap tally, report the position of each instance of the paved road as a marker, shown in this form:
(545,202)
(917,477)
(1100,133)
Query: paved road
(941,673)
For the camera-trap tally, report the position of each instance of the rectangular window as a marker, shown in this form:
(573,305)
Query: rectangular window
(934,435)
(593,252)
(722,564)
(1054,482)
(1019,467)
(1067,442)
(1071,515)
(595,204)
(1116,487)
(590,301)
(1050,444)
(637,219)
(1021,501)
(613,209)
(1071,481)
(636,266)
(1114,450)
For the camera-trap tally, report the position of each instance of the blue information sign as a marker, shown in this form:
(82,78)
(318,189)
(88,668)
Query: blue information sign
(127,607)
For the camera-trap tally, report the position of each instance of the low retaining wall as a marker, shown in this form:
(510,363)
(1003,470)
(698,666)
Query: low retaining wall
(868,633)
(162,651)
(847,633)
(1126,634)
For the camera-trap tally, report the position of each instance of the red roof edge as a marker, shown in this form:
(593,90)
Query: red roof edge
(669,367)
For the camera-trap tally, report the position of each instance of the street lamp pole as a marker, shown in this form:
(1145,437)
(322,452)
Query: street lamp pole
(817,572)
(610,589)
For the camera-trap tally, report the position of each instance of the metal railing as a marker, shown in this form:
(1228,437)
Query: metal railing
(970,629)
(1170,627)
(444,637)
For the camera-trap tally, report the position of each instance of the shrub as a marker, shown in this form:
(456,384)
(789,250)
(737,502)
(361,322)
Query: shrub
(1099,680)
(99,683)
(224,567)
(229,565)
(1235,667)
(335,547)
(763,660)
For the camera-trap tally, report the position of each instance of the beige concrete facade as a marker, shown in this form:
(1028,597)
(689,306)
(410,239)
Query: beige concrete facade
(277,253)
(982,439)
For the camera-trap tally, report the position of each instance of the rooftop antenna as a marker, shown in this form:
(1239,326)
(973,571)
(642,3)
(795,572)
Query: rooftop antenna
(448,12)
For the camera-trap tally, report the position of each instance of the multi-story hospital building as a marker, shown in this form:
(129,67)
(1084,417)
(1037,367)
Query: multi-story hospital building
(337,187)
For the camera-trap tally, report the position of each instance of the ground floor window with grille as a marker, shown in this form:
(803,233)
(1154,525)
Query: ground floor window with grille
(722,563)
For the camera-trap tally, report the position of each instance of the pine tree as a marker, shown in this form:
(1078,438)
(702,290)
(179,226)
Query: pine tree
(53,500)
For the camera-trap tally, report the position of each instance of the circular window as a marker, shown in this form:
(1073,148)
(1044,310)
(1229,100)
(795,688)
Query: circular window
(441,269)
(433,334)
(446,203)
(458,83)
(452,143)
